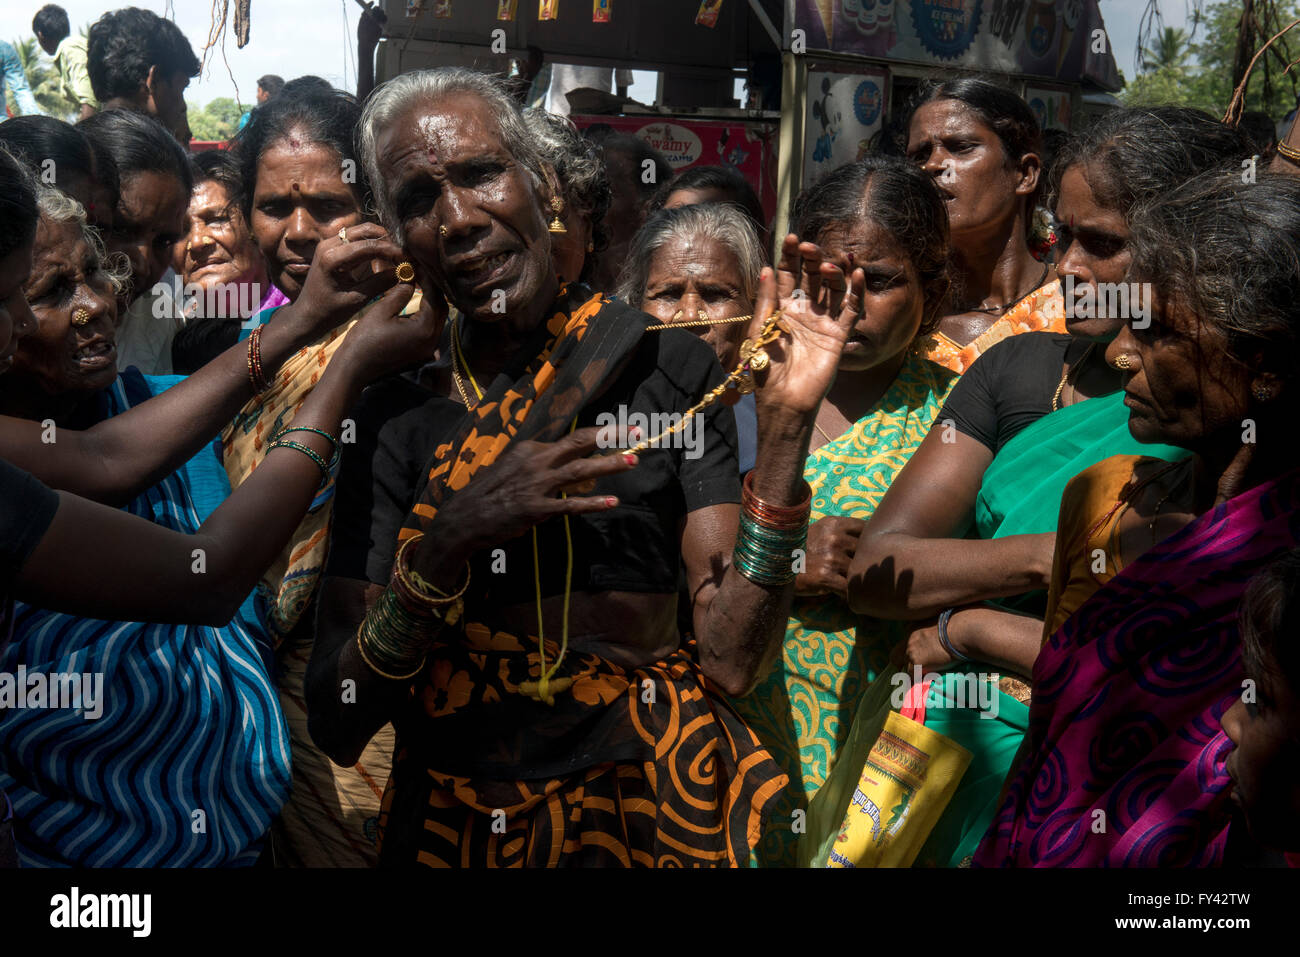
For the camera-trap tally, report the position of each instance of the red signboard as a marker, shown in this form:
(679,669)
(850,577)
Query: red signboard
(750,148)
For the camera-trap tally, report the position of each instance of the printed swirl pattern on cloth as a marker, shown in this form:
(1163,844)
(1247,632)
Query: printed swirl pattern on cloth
(641,767)
(190,721)
(1043,310)
(803,708)
(1128,695)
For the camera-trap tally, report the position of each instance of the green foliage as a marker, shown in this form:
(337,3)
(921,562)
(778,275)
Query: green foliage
(43,80)
(1207,83)
(1170,51)
(216,121)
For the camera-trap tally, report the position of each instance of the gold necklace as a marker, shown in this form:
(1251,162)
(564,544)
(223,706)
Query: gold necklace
(457,359)
(1056,397)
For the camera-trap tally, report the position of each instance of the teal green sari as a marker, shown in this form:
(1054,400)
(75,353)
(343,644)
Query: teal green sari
(1021,495)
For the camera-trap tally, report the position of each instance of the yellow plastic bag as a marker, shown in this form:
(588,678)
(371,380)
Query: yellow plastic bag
(908,780)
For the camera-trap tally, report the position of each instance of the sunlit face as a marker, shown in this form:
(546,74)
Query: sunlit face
(1265,765)
(150,220)
(1181,388)
(981,185)
(893,303)
(61,356)
(300,199)
(217,250)
(16,318)
(693,274)
(449,170)
(1093,249)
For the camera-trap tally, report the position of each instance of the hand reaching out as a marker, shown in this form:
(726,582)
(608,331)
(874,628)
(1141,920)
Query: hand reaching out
(819,308)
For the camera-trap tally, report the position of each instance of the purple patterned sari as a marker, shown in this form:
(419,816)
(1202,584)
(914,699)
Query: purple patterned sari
(1124,760)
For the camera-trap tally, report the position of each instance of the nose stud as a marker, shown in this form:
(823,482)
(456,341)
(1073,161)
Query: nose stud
(80,317)
(1122,361)
(405,272)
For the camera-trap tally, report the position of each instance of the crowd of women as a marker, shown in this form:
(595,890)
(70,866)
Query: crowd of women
(373,580)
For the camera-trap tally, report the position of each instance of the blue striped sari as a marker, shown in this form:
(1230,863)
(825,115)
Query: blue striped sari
(189,761)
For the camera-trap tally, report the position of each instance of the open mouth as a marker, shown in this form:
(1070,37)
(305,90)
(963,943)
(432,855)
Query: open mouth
(478,270)
(95,355)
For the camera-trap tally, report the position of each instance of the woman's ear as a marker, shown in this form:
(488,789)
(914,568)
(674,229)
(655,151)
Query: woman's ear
(552,185)
(1030,168)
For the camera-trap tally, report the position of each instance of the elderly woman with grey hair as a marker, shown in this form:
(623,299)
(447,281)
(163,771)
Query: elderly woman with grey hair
(581,234)
(518,625)
(155,599)
(699,265)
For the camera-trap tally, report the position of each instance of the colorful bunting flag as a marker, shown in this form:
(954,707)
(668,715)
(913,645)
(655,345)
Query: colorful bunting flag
(600,11)
(548,9)
(506,9)
(442,9)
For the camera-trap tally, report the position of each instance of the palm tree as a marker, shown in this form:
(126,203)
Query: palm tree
(1169,51)
(42,79)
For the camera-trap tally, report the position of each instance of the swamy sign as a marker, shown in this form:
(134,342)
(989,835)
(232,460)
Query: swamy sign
(679,145)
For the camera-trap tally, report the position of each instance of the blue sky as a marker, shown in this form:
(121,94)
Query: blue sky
(294,37)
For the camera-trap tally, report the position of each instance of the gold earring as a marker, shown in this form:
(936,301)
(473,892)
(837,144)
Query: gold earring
(1261,392)
(442,231)
(591,247)
(405,272)
(80,317)
(557,225)
(188,245)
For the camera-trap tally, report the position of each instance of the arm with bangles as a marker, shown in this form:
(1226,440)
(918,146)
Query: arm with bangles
(98,562)
(911,562)
(738,621)
(119,458)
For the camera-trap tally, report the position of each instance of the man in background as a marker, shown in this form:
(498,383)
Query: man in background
(13,77)
(139,61)
(54,34)
(267,87)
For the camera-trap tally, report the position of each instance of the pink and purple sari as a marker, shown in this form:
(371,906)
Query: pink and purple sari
(1124,760)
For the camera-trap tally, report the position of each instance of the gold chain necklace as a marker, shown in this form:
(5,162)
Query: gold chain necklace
(1056,397)
(457,359)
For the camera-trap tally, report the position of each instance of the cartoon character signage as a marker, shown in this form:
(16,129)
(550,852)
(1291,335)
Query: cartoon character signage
(844,111)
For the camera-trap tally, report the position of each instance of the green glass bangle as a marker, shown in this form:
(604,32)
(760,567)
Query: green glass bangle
(310,453)
(334,443)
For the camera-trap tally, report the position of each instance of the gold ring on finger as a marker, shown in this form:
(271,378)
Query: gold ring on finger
(343,233)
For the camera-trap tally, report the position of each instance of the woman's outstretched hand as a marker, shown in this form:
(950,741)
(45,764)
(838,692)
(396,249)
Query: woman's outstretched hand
(820,308)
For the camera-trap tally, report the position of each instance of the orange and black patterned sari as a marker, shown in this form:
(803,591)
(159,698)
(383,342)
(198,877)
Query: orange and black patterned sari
(628,766)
